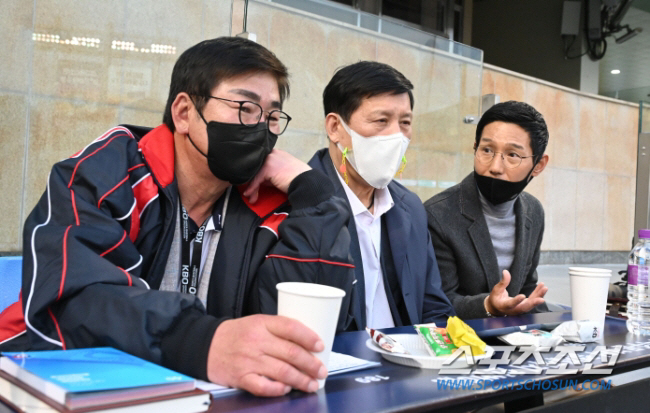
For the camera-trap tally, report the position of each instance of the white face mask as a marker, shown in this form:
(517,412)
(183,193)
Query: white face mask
(376,158)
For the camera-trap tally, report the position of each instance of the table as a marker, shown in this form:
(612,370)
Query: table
(392,387)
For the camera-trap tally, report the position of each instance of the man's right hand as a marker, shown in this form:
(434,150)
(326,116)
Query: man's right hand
(279,169)
(499,303)
(265,355)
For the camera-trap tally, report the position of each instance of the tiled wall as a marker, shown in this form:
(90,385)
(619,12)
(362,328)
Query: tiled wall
(57,97)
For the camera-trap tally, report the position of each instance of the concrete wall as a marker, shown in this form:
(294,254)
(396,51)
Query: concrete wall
(56,98)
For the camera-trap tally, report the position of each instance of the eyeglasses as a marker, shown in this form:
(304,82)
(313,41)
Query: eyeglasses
(250,114)
(485,155)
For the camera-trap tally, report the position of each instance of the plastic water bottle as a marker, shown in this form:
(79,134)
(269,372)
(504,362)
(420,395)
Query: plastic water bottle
(632,275)
(638,306)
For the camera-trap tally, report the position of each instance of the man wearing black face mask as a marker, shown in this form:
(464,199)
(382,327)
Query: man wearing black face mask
(486,231)
(146,240)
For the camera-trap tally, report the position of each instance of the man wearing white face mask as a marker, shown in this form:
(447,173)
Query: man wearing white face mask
(368,114)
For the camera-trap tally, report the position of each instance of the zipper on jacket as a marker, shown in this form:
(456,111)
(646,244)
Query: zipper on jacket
(246,267)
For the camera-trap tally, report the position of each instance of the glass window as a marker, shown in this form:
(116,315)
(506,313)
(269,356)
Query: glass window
(405,10)
(440,17)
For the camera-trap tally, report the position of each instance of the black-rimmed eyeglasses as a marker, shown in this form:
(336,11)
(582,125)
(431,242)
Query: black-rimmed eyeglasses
(250,114)
(511,159)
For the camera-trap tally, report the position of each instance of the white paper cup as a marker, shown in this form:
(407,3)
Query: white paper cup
(589,295)
(316,306)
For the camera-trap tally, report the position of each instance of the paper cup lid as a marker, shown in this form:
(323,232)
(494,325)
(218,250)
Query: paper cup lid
(589,269)
(310,289)
(590,274)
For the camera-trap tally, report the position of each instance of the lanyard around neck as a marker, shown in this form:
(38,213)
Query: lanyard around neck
(190,266)
(192,250)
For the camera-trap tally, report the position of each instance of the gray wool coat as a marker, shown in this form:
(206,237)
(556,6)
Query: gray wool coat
(466,258)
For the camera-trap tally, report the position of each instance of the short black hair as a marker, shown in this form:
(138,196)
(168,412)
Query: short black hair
(521,114)
(353,83)
(203,66)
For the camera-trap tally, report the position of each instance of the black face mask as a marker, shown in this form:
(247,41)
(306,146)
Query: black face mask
(237,152)
(498,191)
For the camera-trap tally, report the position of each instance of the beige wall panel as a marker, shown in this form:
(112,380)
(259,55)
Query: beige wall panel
(590,209)
(345,47)
(619,213)
(217,18)
(141,117)
(58,129)
(304,56)
(466,165)
(466,139)
(540,184)
(416,67)
(509,87)
(438,117)
(301,144)
(487,84)
(238,15)
(564,130)
(438,129)
(12,141)
(539,188)
(436,166)
(15,48)
(561,209)
(145,76)
(142,80)
(591,156)
(73,70)
(164,22)
(440,82)
(105,17)
(543,98)
(469,105)
(408,60)
(471,85)
(621,139)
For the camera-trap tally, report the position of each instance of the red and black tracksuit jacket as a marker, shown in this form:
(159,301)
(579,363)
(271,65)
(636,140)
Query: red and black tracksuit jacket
(96,246)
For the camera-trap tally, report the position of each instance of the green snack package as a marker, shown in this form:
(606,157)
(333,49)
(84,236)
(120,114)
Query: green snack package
(438,342)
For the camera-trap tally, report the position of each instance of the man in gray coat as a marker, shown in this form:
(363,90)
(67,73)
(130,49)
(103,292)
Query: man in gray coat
(486,231)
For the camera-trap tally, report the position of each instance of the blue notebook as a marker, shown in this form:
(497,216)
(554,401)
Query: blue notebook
(92,376)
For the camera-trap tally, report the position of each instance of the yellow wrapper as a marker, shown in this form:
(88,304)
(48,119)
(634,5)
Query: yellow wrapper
(463,335)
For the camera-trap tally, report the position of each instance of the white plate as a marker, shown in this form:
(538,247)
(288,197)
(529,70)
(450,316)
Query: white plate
(418,357)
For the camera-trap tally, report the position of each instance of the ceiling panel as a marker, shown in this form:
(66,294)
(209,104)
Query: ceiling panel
(632,58)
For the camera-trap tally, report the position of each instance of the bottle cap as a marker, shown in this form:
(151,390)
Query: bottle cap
(644,233)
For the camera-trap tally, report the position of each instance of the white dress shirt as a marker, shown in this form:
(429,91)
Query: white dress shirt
(378,313)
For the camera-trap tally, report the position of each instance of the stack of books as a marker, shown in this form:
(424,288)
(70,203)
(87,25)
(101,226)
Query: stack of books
(93,380)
